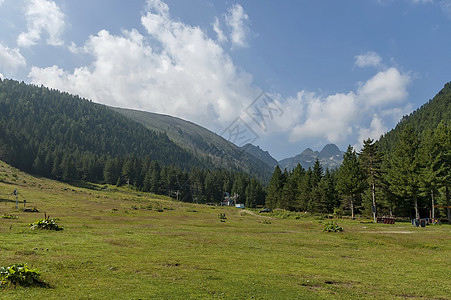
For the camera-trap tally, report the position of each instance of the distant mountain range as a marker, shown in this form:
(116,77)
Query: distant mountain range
(330,157)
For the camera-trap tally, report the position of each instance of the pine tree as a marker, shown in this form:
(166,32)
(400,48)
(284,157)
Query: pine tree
(351,179)
(441,161)
(428,179)
(404,173)
(371,160)
(275,188)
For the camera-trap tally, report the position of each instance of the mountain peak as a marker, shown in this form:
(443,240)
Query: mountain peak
(330,150)
(329,157)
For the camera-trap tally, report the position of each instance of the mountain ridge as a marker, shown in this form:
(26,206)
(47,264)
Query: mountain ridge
(329,157)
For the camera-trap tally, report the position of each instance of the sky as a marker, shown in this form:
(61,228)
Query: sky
(283,75)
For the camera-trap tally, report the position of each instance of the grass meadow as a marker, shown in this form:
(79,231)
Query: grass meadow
(122,244)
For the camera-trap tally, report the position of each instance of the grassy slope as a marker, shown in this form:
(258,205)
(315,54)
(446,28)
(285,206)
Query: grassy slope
(109,250)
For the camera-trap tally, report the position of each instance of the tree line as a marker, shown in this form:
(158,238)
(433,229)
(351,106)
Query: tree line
(407,181)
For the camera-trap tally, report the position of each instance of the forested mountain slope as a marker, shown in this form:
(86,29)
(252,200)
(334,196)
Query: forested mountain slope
(204,143)
(427,117)
(40,128)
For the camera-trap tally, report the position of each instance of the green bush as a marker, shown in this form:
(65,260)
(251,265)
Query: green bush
(46,223)
(6,216)
(332,227)
(19,274)
(222,216)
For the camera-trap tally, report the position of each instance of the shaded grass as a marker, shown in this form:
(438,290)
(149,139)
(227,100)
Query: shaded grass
(185,252)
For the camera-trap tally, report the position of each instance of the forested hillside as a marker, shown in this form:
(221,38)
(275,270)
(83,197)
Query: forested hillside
(39,127)
(207,145)
(61,136)
(426,117)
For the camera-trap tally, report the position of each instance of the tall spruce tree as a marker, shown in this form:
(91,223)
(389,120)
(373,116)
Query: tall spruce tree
(441,161)
(429,181)
(351,179)
(275,188)
(371,160)
(403,176)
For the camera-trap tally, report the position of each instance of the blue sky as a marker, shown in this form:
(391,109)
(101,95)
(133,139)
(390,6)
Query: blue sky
(331,71)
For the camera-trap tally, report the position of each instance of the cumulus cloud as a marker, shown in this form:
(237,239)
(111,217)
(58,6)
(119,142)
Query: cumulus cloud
(385,87)
(236,20)
(43,17)
(328,117)
(11,60)
(376,129)
(173,68)
(370,59)
(338,116)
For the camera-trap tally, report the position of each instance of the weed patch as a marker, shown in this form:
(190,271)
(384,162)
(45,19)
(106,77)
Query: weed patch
(332,227)
(7,216)
(19,274)
(46,223)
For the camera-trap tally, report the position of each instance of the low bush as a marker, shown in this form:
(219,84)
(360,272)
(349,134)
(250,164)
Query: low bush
(222,216)
(332,227)
(46,223)
(19,274)
(6,216)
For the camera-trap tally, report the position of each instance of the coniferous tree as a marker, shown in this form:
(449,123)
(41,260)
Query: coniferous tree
(371,160)
(429,182)
(304,190)
(275,188)
(351,179)
(403,176)
(441,161)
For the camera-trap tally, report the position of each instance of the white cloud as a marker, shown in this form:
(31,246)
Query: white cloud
(219,33)
(11,60)
(174,68)
(385,87)
(236,20)
(336,117)
(376,129)
(43,17)
(1,2)
(328,117)
(370,59)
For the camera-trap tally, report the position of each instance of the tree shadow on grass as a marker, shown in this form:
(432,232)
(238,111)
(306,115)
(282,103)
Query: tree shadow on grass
(3,200)
(85,185)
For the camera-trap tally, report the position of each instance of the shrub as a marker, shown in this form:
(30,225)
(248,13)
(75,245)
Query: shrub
(222,216)
(46,223)
(19,274)
(6,216)
(332,227)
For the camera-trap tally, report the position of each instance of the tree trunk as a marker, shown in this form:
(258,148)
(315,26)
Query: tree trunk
(448,209)
(433,204)
(352,207)
(373,190)
(415,203)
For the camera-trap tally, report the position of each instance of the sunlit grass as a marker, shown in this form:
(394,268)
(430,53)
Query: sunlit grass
(128,245)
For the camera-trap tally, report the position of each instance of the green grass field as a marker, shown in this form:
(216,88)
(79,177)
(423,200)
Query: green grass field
(129,245)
